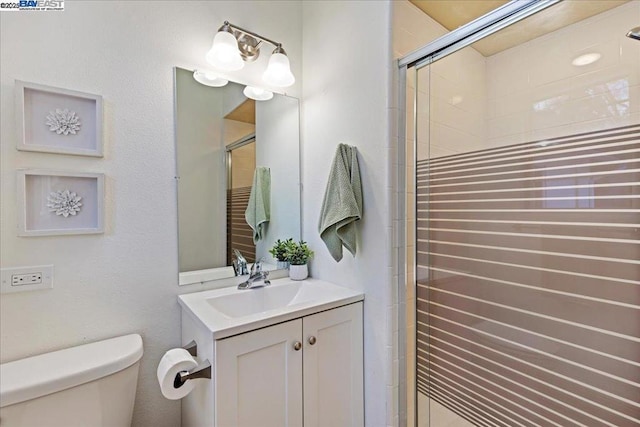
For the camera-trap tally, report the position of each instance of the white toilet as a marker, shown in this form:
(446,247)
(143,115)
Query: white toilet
(92,385)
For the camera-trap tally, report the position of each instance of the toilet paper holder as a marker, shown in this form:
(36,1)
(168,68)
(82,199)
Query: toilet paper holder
(192,348)
(203,370)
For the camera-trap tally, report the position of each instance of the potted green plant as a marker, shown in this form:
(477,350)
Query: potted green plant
(279,252)
(298,255)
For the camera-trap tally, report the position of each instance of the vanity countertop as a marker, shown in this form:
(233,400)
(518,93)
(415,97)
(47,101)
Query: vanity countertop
(230,311)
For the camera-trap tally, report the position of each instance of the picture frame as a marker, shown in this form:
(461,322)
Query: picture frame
(58,203)
(58,121)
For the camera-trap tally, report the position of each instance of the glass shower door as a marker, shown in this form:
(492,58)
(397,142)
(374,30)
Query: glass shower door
(527,230)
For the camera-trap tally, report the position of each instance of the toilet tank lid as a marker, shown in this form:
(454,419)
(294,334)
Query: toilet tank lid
(37,376)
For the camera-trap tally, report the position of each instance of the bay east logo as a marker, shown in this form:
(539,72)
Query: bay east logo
(38,5)
(41,4)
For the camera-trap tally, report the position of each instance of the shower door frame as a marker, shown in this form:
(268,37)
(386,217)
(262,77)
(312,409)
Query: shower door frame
(502,17)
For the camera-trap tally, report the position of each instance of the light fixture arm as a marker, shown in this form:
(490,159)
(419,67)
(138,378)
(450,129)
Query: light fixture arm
(227,25)
(233,46)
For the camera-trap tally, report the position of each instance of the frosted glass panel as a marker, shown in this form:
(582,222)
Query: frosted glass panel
(527,201)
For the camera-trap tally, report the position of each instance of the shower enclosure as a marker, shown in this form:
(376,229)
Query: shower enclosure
(523,213)
(241,162)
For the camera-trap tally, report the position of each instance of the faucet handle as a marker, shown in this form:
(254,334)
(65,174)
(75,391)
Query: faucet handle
(256,267)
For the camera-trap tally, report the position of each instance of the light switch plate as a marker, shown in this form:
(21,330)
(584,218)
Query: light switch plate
(21,279)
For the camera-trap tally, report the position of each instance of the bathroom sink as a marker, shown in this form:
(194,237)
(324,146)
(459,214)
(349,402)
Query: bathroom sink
(260,300)
(230,311)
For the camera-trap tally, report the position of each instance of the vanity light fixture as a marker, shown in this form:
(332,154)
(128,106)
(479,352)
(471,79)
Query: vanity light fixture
(224,53)
(233,46)
(257,93)
(209,79)
(278,72)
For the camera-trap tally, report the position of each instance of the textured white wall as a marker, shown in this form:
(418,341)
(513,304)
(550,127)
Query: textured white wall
(347,72)
(126,279)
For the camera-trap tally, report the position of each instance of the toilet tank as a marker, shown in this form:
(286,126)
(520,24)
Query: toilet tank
(91,385)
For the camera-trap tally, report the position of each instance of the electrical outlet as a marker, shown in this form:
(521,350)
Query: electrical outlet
(26,279)
(19,279)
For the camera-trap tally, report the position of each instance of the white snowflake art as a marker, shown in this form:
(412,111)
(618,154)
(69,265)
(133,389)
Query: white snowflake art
(64,203)
(63,122)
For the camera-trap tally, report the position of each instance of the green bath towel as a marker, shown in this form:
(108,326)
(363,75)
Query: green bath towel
(342,205)
(258,211)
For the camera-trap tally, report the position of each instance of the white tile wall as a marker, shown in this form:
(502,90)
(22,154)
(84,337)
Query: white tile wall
(535,92)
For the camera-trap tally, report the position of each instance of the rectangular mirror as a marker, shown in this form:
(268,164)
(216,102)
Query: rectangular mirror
(221,138)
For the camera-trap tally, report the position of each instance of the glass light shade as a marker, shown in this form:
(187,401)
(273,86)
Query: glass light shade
(257,93)
(209,79)
(224,53)
(278,72)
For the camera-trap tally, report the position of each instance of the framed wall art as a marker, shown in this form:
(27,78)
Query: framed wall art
(61,121)
(54,203)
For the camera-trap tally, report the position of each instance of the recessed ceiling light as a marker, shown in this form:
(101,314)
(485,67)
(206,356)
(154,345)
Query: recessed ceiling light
(586,59)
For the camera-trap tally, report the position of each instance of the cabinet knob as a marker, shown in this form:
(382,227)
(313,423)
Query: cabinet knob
(297,345)
(312,340)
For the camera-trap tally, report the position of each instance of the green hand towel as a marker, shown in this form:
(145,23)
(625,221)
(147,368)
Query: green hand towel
(258,211)
(342,205)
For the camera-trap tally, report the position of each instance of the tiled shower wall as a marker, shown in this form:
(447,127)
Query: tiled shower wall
(534,92)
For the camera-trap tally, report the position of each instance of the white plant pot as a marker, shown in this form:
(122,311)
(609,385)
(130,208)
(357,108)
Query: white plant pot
(283,265)
(298,272)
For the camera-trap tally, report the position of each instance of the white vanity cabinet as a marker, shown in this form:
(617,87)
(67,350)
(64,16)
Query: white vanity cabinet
(285,355)
(259,378)
(303,372)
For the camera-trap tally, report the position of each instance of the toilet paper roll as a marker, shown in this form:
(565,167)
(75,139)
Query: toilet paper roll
(173,362)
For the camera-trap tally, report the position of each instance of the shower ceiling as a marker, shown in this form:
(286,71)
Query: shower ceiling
(452,14)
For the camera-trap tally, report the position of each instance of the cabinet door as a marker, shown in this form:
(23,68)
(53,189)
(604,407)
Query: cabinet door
(258,378)
(333,376)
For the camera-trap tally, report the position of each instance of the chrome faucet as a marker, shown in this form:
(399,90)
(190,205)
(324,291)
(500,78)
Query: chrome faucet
(239,264)
(257,277)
